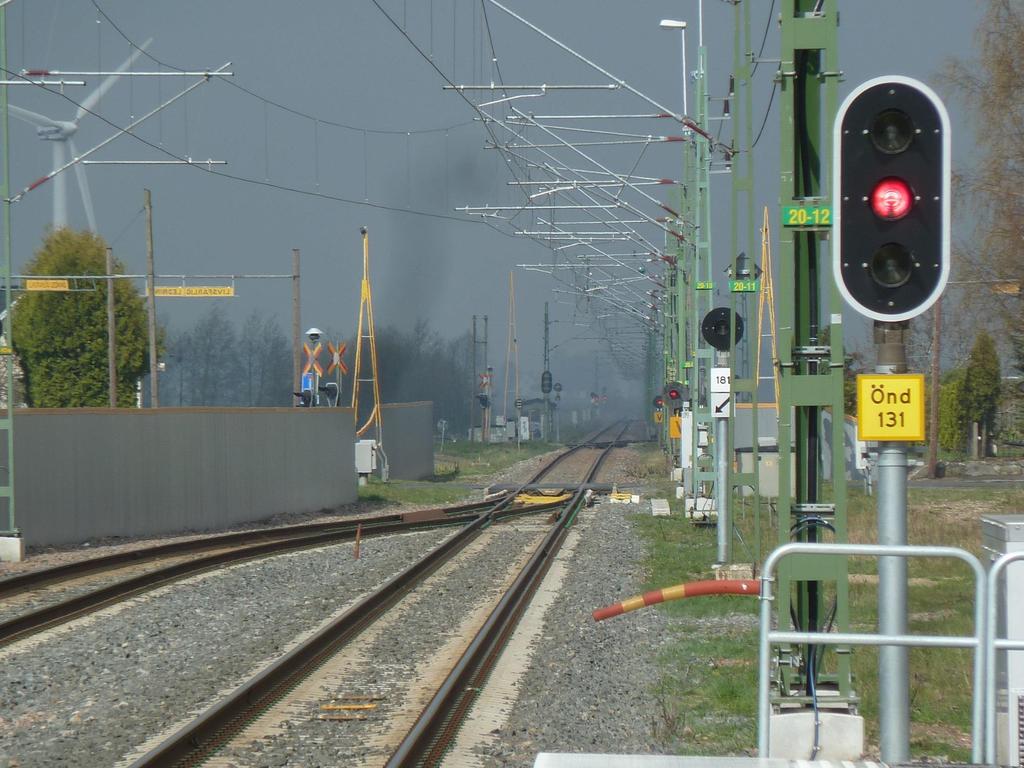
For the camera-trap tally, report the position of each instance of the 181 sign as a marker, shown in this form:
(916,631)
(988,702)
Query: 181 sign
(890,407)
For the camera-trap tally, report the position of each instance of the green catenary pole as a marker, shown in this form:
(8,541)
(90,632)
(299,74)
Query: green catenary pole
(811,360)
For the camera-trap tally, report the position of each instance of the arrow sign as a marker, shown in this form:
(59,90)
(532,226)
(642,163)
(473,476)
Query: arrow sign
(719,404)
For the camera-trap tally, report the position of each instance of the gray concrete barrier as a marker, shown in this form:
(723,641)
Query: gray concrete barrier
(85,473)
(409,440)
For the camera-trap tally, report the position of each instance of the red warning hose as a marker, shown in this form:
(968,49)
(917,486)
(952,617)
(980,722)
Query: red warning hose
(750,587)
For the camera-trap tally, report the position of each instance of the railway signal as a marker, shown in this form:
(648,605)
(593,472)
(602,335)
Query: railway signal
(715,328)
(891,191)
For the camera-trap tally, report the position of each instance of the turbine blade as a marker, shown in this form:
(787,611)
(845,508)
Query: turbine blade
(32,118)
(83,187)
(93,98)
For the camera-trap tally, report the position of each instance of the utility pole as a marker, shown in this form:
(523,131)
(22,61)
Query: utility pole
(11,544)
(743,277)
(111,332)
(545,381)
(297,322)
(154,390)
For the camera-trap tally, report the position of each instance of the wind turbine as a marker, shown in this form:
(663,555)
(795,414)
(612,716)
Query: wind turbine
(61,133)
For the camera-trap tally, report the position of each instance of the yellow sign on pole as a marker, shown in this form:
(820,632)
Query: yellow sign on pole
(194,291)
(658,417)
(890,407)
(675,426)
(47,284)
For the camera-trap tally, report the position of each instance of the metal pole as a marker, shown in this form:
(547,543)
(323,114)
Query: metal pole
(686,110)
(111,332)
(473,385)
(724,527)
(893,661)
(933,405)
(297,323)
(7,414)
(154,390)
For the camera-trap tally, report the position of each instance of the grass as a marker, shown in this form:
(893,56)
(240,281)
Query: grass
(478,460)
(709,681)
(459,467)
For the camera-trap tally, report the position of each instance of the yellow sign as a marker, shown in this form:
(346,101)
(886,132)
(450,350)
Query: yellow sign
(675,428)
(890,407)
(6,350)
(659,417)
(194,291)
(49,284)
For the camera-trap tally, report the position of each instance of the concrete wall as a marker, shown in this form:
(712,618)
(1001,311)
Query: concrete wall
(91,472)
(409,440)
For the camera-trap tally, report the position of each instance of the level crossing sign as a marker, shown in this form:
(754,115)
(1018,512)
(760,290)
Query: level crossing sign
(312,363)
(336,353)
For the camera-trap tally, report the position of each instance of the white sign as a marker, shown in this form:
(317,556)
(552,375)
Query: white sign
(686,440)
(720,379)
(524,427)
(720,405)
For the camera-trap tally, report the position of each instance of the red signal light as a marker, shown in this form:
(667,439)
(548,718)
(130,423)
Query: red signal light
(659,401)
(891,199)
(673,394)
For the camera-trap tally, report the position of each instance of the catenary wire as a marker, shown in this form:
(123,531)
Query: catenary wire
(258,182)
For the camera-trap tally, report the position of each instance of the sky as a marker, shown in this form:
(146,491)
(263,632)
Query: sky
(343,123)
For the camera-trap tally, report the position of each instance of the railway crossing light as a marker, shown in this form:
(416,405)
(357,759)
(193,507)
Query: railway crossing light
(891,191)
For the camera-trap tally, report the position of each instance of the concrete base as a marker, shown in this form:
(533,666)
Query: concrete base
(733,571)
(558,760)
(12,549)
(840,737)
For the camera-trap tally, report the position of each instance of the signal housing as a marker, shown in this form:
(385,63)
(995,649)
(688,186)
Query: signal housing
(890,255)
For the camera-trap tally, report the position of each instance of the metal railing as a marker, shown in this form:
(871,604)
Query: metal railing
(993,645)
(977,641)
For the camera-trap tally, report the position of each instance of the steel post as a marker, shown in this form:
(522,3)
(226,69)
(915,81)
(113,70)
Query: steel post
(722,490)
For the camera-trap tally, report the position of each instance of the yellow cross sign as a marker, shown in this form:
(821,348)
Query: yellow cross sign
(890,407)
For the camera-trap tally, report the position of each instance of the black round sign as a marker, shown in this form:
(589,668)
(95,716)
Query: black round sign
(715,328)
(545,382)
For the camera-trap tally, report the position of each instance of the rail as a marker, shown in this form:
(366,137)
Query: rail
(430,735)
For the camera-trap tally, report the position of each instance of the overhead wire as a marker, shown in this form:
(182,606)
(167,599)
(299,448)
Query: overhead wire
(235,177)
(267,100)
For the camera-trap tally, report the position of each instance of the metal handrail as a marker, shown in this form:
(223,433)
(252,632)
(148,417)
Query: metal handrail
(993,645)
(767,637)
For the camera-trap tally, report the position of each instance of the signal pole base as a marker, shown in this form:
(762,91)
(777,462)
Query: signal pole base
(840,736)
(12,549)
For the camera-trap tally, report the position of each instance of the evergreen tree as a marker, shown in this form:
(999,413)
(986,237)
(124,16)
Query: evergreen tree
(983,382)
(61,338)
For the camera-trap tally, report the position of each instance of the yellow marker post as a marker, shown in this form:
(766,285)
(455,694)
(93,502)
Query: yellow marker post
(675,428)
(890,407)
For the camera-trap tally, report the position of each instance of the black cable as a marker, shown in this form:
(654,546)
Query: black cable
(764,38)
(767,112)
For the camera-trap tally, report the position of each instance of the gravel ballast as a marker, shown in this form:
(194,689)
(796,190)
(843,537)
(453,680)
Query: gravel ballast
(88,696)
(588,688)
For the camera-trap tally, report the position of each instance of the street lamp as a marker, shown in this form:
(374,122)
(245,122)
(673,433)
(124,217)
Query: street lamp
(681,26)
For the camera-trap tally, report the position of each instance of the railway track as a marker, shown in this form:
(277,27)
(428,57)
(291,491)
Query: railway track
(431,732)
(150,569)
